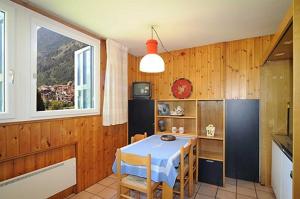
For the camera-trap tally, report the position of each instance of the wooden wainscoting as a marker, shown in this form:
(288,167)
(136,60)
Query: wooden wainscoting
(228,70)
(95,154)
(32,160)
(96,144)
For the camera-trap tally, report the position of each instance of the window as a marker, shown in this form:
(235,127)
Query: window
(64,69)
(47,69)
(58,57)
(83,78)
(6,62)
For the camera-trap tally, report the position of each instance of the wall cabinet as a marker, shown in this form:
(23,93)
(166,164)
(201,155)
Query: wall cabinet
(281,170)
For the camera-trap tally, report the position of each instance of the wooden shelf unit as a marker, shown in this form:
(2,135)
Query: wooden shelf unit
(198,114)
(188,120)
(212,148)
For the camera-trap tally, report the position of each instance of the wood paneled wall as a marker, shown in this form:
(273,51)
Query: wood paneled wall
(276,92)
(96,144)
(225,70)
(296,99)
(229,70)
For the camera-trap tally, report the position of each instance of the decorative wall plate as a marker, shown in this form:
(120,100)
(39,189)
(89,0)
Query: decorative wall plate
(182,88)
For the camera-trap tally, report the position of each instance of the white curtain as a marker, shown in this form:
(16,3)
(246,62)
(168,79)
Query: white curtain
(115,105)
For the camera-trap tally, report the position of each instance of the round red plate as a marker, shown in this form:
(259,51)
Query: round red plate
(182,88)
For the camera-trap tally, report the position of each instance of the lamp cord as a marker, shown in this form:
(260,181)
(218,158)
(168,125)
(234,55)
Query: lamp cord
(161,43)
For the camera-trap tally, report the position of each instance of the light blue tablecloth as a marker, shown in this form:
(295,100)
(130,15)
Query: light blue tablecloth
(165,158)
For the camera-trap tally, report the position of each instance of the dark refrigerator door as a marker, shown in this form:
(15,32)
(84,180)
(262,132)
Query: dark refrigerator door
(140,117)
(242,139)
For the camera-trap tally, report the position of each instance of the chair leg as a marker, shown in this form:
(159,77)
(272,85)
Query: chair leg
(182,190)
(149,195)
(190,187)
(191,183)
(119,191)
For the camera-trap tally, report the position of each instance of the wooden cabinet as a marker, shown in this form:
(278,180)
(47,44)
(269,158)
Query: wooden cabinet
(281,170)
(211,149)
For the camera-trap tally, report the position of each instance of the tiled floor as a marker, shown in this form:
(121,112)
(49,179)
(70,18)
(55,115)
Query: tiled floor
(233,189)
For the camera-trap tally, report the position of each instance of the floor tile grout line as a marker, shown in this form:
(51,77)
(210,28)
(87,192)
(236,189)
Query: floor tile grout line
(197,190)
(94,194)
(236,188)
(216,192)
(255,190)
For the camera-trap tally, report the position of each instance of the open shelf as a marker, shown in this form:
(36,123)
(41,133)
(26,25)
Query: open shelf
(217,156)
(188,121)
(177,134)
(211,112)
(219,137)
(176,117)
(171,100)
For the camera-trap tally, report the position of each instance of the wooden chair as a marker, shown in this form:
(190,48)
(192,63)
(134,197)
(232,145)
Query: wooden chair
(193,172)
(138,137)
(144,185)
(184,169)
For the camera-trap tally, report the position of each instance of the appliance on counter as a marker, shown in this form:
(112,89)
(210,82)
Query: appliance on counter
(141,90)
(290,121)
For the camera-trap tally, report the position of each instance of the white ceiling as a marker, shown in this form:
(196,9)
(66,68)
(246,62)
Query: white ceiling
(181,23)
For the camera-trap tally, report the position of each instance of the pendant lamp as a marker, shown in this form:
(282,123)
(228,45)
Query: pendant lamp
(152,62)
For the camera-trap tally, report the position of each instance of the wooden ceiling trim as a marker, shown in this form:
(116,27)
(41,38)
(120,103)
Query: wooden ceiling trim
(282,28)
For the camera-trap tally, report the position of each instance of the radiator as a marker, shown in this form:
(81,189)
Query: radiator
(41,183)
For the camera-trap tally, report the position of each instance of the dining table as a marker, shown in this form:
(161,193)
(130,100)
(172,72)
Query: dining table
(165,158)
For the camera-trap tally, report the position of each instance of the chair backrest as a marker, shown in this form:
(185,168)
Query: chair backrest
(194,148)
(138,137)
(185,153)
(136,161)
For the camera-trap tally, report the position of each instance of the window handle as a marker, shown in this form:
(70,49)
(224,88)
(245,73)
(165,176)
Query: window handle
(12,76)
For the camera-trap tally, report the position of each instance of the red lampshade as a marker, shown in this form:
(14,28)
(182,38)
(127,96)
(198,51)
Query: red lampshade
(151,46)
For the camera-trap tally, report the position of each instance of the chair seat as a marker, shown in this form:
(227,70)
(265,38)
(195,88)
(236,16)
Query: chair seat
(139,182)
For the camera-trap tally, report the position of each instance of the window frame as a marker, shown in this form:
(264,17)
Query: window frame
(73,34)
(81,77)
(9,62)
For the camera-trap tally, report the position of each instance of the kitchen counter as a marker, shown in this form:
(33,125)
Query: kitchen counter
(285,143)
